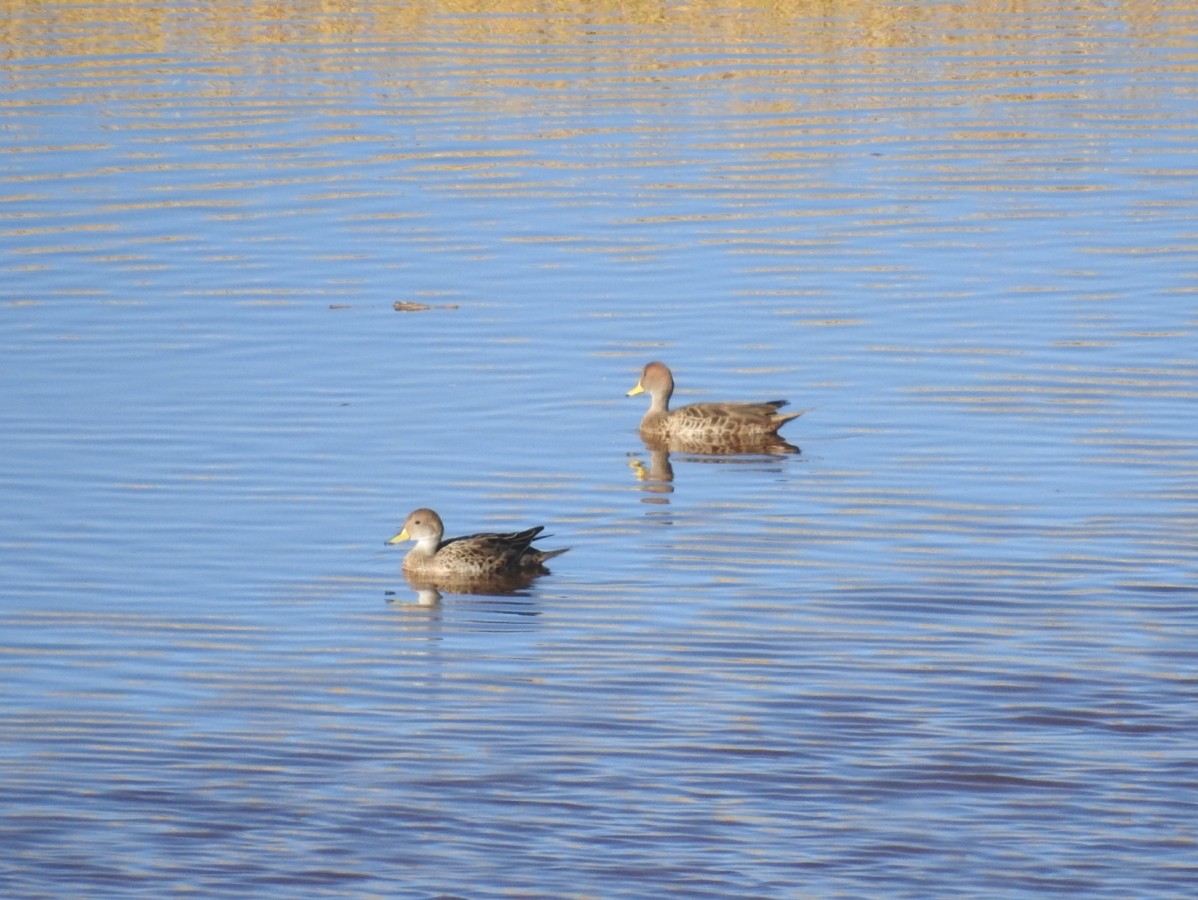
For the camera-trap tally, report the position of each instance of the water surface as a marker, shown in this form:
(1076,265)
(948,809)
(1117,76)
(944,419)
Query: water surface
(948,649)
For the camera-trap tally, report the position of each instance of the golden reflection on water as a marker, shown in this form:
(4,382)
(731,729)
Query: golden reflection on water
(769,31)
(423,54)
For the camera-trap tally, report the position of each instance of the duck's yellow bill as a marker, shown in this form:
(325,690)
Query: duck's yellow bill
(636,390)
(400,538)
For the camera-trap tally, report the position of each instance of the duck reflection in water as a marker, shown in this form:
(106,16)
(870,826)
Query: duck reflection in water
(484,563)
(702,429)
(429,592)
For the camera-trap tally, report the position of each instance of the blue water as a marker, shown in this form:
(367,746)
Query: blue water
(947,650)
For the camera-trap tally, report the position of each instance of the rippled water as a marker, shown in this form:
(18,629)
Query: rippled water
(272,275)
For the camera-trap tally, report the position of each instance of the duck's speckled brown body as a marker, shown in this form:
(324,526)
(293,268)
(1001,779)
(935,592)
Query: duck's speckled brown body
(709,427)
(485,555)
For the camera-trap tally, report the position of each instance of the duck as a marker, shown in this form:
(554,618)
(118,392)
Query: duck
(714,428)
(484,555)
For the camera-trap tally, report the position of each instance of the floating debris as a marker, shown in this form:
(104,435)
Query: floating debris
(410,306)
